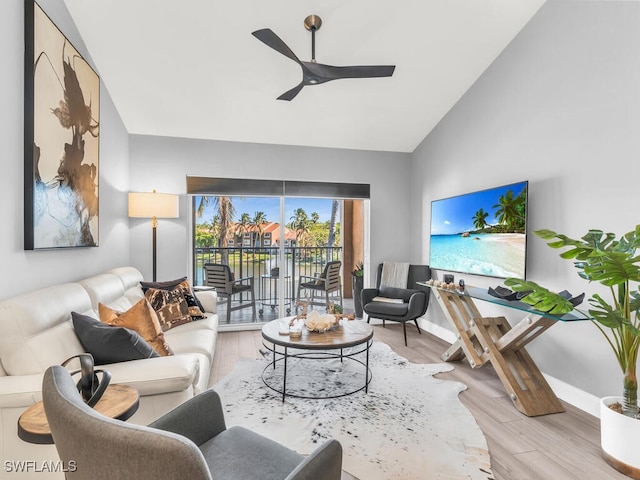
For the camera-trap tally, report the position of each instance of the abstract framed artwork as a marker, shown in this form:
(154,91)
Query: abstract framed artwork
(61,139)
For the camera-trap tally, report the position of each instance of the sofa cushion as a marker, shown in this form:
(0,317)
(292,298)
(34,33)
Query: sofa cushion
(37,330)
(130,278)
(196,310)
(141,318)
(20,391)
(189,341)
(209,322)
(109,344)
(160,375)
(106,288)
(208,298)
(170,306)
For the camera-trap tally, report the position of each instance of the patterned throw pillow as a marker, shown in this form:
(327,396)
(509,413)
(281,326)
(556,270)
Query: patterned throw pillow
(141,318)
(196,310)
(170,306)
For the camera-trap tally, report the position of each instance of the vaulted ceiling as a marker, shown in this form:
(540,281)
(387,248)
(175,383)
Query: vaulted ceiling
(191,68)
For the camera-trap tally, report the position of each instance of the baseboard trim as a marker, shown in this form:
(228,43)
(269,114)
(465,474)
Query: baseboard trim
(585,401)
(564,391)
(238,327)
(440,332)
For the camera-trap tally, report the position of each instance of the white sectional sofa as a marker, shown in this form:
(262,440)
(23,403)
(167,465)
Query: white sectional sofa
(36,331)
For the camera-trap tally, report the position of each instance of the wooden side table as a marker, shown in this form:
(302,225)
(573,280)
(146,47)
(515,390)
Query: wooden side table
(118,401)
(492,339)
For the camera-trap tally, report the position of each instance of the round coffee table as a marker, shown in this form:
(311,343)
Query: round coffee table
(345,341)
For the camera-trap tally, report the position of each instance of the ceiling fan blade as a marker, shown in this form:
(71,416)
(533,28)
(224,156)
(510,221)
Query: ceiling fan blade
(269,38)
(291,94)
(329,72)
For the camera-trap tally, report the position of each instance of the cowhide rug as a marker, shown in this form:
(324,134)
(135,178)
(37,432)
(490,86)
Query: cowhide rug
(409,426)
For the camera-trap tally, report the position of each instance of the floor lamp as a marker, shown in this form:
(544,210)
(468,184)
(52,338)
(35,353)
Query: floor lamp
(153,205)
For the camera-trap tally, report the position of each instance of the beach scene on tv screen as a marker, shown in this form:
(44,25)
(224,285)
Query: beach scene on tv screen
(482,233)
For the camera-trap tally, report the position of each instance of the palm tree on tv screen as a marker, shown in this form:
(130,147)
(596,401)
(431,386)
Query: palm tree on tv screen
(480,219)
(510,210)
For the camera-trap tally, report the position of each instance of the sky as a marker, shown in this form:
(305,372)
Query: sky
(271,207)
(454,215)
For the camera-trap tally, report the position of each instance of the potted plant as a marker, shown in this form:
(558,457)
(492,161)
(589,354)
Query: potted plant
(613,263)
(357,284)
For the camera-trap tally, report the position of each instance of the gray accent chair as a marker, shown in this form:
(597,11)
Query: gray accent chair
(190,442)
(415,299)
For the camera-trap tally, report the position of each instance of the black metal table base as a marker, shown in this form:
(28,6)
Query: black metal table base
(282,356)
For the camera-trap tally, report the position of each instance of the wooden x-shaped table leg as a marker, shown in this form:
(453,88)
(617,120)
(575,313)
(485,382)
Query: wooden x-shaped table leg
(491,339)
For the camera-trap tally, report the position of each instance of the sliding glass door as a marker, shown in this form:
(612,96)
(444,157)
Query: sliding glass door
(270,245)
(316,225)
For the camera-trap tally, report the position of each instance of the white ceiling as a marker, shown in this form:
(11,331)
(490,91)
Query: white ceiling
(191,68)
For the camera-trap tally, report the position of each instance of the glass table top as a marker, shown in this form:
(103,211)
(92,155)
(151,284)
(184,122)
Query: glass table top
(483,294)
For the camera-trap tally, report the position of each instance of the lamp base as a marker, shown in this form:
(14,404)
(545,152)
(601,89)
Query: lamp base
(154,228)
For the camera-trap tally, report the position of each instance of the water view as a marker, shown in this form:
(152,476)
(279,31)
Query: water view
(495,255)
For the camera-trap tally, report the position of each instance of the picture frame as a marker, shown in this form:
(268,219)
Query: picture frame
(61,139)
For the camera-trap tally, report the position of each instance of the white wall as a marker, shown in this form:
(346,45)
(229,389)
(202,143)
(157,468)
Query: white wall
(560,107)
(162,164)
(26,270)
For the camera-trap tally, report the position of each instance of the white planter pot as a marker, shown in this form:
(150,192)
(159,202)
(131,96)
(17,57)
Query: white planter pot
(619,438)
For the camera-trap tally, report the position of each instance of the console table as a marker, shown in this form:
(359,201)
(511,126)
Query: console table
(492,339)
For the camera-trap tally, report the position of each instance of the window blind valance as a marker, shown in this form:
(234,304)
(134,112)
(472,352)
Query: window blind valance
(289,188)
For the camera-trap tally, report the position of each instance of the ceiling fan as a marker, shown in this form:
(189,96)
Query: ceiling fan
(314,73)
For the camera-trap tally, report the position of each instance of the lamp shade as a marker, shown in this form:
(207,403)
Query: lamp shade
(152,204)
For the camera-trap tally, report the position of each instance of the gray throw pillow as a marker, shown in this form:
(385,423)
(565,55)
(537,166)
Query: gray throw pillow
(110,344)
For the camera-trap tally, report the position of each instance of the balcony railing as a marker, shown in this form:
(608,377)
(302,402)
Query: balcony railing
(264,265)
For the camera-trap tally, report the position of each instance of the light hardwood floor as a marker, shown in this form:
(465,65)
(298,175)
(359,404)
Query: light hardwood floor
(551,447)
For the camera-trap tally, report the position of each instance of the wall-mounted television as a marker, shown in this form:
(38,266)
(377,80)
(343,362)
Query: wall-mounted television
(481,233)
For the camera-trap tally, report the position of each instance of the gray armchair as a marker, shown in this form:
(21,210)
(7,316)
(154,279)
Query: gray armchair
(398,304)
(190,442)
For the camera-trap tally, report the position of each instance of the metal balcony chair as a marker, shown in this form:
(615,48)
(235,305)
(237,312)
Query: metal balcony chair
(328,282)
(191,441)
(220,276)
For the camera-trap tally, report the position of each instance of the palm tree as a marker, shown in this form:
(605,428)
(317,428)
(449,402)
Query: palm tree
(243,226)
(480,219)
(300,223)
(225,214)
(508,212)
(332,223)
(215,229)
(259,218)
